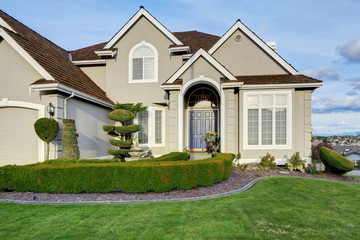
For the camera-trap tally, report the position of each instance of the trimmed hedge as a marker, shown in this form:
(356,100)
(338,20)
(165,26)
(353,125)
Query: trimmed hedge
(78,161)
(120,143)
(46,129)
(127,129)
(157,176)
(334,162)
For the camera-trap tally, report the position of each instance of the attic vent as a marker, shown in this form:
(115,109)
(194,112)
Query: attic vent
(238,38)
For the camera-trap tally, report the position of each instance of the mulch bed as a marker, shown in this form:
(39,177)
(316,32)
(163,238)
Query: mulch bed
(238,178)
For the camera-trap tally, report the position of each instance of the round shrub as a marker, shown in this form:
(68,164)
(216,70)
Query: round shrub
(121,115)
(46,129)
(334,162)
(127,129)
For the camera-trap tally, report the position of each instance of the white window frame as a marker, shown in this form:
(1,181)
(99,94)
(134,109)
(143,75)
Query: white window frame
(151,128)
(289,110)
(131,53)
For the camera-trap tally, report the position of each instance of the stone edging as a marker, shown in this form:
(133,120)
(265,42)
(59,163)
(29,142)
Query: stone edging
(242,189)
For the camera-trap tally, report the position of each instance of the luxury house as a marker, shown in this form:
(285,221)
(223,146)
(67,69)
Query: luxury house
(192,82)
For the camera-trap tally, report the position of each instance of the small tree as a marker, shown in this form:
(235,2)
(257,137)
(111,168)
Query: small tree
(47,130)
(122,133)
(70,148)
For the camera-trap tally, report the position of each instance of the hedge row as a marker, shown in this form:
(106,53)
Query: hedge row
(158,176)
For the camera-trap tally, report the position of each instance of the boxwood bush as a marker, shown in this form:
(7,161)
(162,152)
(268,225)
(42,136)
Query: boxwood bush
(157,176)
(334,162)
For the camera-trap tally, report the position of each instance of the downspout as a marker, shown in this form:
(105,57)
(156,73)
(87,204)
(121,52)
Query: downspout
(65,103)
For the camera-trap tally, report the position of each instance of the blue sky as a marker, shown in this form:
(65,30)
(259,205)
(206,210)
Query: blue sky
(319,38)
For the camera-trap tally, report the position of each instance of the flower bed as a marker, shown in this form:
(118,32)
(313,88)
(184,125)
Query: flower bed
(157,176)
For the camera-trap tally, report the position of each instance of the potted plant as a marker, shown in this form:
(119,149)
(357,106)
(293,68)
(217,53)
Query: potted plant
(210,136)
(187,151)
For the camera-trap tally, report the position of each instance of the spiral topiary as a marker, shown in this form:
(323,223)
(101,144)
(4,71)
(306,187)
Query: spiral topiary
(123,133)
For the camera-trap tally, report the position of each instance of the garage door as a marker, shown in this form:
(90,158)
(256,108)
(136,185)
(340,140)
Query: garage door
(18,140)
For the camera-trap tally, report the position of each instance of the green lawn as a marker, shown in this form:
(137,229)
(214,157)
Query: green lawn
(276,208)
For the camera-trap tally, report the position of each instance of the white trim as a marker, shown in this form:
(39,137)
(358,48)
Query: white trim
(110,53)
(5,24)
(170,87)
(193,59)
(179,49)
(156,60)
(41,113)
(232,84)
(277,86)
(151,128)
(68,90)
(89,62)
(133,20)
(183,90)
(289,125)
(257,40)
(25,55)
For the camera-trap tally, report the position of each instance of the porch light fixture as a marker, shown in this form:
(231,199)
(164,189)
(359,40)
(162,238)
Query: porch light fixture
(51,109)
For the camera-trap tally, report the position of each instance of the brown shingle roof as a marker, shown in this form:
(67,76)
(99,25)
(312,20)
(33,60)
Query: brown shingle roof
(195,40)
(52,58)
(87,53)
(273,79)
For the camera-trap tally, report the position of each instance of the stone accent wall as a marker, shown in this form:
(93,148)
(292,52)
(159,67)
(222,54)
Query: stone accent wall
(173,134)
(307,124)
(229,121)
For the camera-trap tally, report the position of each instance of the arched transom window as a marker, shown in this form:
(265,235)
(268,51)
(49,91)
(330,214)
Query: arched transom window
(143,63)
(203,97)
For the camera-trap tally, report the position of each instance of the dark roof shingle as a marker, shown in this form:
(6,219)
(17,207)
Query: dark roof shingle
(274,79)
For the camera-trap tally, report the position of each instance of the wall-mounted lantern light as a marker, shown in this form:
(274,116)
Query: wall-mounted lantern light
(51,110)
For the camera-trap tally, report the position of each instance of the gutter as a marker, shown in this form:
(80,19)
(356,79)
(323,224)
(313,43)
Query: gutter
(65,103)
(68,90)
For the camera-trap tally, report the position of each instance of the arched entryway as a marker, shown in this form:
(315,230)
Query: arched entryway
(202,108)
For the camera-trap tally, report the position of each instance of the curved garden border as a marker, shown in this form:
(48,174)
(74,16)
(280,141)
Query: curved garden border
(248,186)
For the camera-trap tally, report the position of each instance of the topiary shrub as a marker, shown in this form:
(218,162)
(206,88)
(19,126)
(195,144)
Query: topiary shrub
(70,148)
(123,133)
(335,162)
(47,130)
(267,162)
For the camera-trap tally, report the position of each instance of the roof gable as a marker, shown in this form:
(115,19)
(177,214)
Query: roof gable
(51,60)
(142,13)
(257,40)
(192,60)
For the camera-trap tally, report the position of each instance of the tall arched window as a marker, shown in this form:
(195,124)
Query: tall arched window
(143,63)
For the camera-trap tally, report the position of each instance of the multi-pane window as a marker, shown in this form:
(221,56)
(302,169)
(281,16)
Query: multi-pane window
(143,63)
(158,126)
(267,118)
(144,127)
(152,127)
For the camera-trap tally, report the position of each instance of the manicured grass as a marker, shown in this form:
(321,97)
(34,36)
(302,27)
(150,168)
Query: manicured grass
(276,208)
(352,176)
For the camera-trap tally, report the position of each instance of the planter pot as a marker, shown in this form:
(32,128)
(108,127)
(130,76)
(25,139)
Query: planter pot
(188,156)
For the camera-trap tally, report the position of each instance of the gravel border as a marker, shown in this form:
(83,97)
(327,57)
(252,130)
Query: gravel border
(239,181)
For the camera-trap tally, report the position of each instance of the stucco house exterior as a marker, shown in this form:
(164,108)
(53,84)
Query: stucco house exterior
(192,82)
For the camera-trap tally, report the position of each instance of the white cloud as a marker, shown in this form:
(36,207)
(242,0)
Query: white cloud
(332,104)
(342,123)
(324,73)
(350,51)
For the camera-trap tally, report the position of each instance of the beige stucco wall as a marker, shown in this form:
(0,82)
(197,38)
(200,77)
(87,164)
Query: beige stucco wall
(201,67)
(301,130)
(16,74)
(97,74)
(117,70)
(246,58)
(89,120)
(230,124)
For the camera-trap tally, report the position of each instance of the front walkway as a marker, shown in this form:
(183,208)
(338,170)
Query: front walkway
(199,156)
(356,172)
